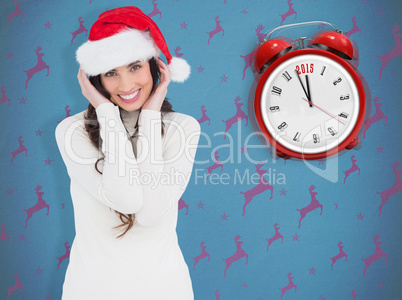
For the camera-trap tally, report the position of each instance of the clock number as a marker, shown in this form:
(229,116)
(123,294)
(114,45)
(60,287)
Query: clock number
(344,97)
(286,76)
(332,131)
(305,68)
(323,70)
(274,109)
(344,115)
(297,137)
(282,126)
(276,91)
(338,80)
(316,138)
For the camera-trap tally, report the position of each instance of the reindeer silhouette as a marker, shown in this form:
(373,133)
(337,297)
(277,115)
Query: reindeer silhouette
(314,204)
(240,115)
(240,253)
(176,51)
(249,58)
(394,189)
(80,29)
(66,108)
(204,116)
(40,204)
(352,169)
(16,286)
(395,52)
(261,187)
(216,165)
(4,235)
(20,149)
(379,115)
(379,253)
(290,12)
(217,29)
(290,286)
(3,96)
(339,255)
(354,295)
(40,65)
(156,11)
(354,29)
(217,295)
(16,12)
(277,236)
(202,255)
(183,204)
(65,255)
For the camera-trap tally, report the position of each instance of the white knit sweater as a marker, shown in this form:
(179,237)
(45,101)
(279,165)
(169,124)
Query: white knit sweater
(145,176)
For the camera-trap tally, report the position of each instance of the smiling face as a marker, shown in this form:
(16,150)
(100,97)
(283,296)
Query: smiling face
(129,86)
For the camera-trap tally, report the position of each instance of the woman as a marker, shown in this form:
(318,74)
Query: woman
(129,157)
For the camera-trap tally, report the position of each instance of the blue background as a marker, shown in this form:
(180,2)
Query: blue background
(31,252)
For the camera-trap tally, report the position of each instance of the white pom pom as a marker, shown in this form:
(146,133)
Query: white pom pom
(179,69)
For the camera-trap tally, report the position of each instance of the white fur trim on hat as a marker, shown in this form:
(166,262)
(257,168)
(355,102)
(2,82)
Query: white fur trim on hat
(179,69)
(96,57)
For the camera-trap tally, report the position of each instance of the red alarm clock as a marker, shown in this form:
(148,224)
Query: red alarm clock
(309,102)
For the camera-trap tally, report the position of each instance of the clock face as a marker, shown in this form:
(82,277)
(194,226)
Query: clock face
(310,103)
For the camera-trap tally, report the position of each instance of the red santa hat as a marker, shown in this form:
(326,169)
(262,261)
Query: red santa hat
(124,35)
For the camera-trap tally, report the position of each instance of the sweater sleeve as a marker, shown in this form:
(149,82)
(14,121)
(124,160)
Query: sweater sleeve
(124,184)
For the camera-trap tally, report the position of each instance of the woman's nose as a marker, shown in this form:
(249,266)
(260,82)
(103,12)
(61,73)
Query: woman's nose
(126,83)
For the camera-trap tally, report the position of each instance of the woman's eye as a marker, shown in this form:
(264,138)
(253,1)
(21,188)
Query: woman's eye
(110,74)
(136,67)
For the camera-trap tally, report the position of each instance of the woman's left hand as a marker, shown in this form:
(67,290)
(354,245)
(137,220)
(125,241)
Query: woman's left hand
(156,99)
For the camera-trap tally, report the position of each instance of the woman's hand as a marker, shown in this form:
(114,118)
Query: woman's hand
(89,91)
(156,99)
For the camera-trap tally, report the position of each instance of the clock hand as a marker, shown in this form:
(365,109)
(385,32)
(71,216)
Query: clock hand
(308,91)
(325,112)
(304,89)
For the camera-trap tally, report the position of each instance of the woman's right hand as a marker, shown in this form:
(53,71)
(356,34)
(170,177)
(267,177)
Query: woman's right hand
(89,91)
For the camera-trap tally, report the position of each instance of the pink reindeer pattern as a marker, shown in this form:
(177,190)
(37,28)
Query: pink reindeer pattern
(339,255)
(80,29)
(68,111)
(378,116)
(249,58)
(217,29)
(217,295)
(240,253)
(183,204)
(4,98)
(290,12)
(240,115)
(177,53)
(352,169)
(65,255)
(354,295)
(379,253)
(155,11)
(276,236)
(394,189)
(20,149)
(40,65)
(16,286)
(290,286)
(40,204)
(202,255)
(216,165)
(314,204)
(354,29)
(4,235)
(204,116)
(262,186)
(395,52)
(16,12)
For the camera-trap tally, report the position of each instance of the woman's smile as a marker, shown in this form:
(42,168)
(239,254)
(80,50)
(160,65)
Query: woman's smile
(128,98)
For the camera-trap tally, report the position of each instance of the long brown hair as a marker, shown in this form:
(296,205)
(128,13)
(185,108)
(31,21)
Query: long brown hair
(92,127)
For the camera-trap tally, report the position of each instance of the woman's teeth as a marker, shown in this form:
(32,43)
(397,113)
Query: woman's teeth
(130,96)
